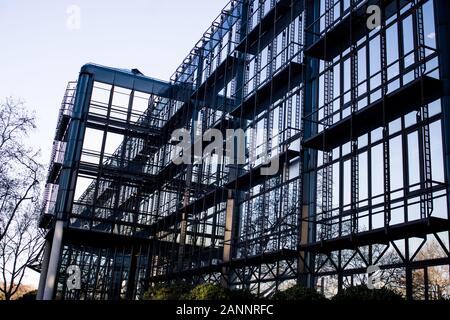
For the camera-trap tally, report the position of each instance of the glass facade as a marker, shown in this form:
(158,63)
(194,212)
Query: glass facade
(353,118)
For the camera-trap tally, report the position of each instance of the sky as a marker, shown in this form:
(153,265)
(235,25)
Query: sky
(43,46)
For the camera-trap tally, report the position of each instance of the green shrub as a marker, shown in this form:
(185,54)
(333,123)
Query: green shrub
(363,293)
(167,291)
(208,291)
(241,294)
(29,296)
(298,293)
(205,291)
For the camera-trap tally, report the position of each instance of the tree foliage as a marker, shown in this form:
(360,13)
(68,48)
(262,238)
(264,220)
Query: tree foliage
(437,276)
(208,291)
(363,293)
(29,296)
(298,292)
(167,291)
(205,291)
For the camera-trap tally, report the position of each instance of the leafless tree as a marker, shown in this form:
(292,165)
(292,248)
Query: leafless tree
(20,174)
(437,276)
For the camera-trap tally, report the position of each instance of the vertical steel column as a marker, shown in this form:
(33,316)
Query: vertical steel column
(55,254)
(68,177)
(190,166)
(74,146)
(386,144)
(426,201)
(327,176)
(228,237)
(183,224)
(44,267)
(354,151)
(131,281)
(233,210)
(442,12)
(308,156)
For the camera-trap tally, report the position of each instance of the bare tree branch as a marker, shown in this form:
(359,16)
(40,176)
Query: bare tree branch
(20,173)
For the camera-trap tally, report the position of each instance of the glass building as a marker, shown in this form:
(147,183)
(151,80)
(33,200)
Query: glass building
(339,111)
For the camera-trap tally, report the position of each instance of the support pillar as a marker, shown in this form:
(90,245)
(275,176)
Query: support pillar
(183,223)
(131,283)
(44,268)
(308,157)
(53,263)
(442,12)
(228,239)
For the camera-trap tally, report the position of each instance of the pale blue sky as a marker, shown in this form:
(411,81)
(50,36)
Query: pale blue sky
(40,53)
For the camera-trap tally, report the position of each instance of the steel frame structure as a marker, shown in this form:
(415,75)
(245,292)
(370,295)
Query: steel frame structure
(358,120)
